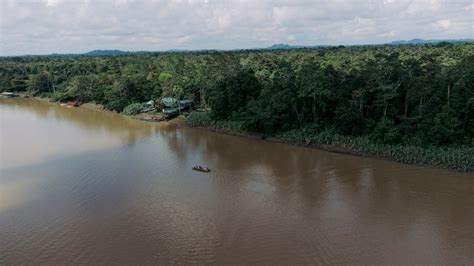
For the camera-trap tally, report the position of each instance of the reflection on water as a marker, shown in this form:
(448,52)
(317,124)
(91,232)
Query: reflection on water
(104,189)
(34,130)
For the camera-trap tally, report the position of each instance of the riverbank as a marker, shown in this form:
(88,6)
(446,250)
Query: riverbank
(90,105)
(456,158)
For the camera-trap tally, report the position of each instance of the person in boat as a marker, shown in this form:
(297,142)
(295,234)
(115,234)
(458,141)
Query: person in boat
(200,168)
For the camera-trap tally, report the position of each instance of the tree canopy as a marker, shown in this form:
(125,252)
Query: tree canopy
(418,95)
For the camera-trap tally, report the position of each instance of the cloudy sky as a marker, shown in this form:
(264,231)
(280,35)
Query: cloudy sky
(71,26)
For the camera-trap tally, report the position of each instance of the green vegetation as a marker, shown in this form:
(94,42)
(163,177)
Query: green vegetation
(134,108)
(460,158)
(201,119)
(414,104)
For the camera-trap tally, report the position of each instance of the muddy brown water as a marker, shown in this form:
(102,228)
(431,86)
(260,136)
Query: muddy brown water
(80,186)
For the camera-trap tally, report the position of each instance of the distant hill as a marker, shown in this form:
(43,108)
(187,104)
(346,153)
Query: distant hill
(288,46)
(422,41)
(416,41)
(281,46)
(278,46)
(120,52)
(105,52)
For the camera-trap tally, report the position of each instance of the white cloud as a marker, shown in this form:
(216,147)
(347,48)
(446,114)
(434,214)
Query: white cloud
(46,26)
(52,3)
(443,24)
(390,34)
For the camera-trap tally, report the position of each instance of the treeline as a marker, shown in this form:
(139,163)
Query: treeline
(419,96)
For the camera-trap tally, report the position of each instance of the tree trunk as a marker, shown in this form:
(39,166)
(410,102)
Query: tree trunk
(203,99)
(406,105)
(314,107)
(467,117)
(297,114)
(449,92)
(420,107)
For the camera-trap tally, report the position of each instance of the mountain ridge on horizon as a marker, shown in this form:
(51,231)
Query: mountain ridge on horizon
(277,46)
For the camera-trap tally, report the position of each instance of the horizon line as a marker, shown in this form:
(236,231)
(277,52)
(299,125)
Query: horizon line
(291,46)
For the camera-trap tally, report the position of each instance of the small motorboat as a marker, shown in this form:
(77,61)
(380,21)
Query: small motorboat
(71,104)
(8,94)
(151,119)
(200,168)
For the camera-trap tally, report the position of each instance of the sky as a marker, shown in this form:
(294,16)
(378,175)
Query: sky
(75,26)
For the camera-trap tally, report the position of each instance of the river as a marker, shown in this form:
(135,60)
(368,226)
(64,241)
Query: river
(81,186)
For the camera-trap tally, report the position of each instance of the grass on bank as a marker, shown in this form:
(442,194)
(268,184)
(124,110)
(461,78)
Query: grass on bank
(460,157)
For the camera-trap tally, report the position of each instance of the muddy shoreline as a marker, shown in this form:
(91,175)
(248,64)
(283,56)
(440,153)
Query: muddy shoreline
(329,148)
(324,147)
(180,121)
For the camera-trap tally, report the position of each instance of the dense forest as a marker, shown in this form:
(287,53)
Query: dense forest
(414,103)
